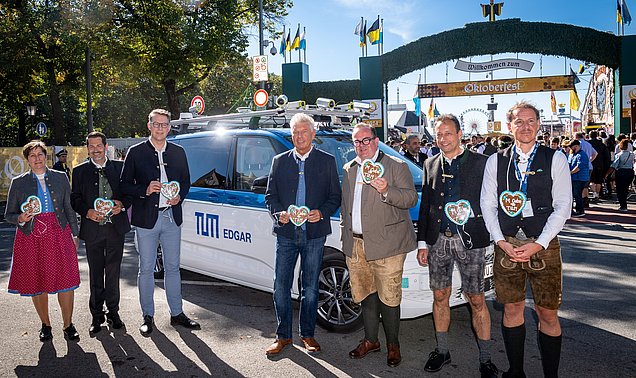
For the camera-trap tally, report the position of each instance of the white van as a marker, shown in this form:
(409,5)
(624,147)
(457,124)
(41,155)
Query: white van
(227,229)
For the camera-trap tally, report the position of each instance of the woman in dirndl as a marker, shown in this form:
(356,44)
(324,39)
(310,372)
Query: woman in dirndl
(45,248)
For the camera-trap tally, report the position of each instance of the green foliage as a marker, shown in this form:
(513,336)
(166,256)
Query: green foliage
(505,36)
(145,54)
(341,91)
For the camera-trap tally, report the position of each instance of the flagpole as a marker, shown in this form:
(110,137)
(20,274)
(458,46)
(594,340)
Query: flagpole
(305,49)
(417,92)
(382,41)
(299,58)
(379,34)
(284,52)
(359,40)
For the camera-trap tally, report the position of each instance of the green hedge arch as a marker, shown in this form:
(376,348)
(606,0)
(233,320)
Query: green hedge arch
(504,36)
(482,38)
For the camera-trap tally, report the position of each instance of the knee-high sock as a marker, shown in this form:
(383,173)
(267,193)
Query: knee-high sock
(550,348)
(371,317)
(514,341)
(391,323)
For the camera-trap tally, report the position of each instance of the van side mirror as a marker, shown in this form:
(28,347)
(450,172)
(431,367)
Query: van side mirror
(260,185)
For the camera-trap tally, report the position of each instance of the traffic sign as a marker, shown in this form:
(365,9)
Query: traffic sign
(198,103)
(259,68)
(261,97)
(41,129)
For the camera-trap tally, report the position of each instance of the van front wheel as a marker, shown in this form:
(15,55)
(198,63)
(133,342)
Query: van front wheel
(336,309)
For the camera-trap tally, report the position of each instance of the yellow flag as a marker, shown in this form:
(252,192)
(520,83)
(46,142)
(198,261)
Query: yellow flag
(431,110)
(574,100)
(553,104)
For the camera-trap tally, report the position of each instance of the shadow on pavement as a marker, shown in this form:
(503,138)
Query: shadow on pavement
(76,363)
(125,355)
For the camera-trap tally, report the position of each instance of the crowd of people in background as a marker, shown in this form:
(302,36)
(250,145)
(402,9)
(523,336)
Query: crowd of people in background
(609,161)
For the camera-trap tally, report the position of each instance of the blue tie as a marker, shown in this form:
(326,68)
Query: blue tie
(300,193)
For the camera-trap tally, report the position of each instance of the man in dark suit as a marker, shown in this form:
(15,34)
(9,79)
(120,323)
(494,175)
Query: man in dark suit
(148,166)
(452,180)
(303,176)
(103,233)
(413,153)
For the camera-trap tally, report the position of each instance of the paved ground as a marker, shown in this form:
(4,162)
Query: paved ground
(598,317)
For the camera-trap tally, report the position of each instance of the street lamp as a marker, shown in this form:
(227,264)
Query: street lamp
(31,108)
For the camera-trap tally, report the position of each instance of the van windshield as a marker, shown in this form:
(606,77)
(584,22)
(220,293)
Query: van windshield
(341,147)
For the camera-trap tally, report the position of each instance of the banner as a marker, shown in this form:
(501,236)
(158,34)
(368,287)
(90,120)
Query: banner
(499,64)
(488,87)
(629,93)
(13,164)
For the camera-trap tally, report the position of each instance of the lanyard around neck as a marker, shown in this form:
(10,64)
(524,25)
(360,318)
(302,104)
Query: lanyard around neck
(523,177)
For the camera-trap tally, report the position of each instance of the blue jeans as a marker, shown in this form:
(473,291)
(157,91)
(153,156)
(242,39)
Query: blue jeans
(577,193)
(169,234)
(287,251)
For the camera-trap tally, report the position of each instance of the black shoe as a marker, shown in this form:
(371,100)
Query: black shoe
(70,333)
(46,333)
(488,370)
(146,328)
(96,324)
(436,360)
(114,320)
(183,320)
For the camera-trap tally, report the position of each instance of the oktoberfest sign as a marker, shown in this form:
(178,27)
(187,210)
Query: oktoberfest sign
(489,87)
(499,64)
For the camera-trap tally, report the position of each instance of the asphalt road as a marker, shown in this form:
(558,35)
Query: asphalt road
(598,317)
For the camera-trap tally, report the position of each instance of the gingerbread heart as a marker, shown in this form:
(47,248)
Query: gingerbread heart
(371,170)
(103,206)
(170,189)
(298,214)
(32,205)
(458,212)
(512,203)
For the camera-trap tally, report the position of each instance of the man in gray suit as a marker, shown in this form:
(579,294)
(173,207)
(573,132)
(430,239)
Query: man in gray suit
(377,233)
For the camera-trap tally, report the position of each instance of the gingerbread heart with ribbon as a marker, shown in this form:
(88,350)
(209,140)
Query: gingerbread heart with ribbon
(298,214)
(371,170)
(103,206)
(512,203)
(32,205)
(458,212)
(170,189)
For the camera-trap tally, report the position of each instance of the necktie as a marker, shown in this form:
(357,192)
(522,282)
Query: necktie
(300,193)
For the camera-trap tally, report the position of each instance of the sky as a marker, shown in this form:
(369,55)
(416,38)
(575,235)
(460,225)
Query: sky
(333,51)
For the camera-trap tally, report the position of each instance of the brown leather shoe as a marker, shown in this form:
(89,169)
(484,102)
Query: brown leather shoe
(277,347)
(393,357)
(365,348)
(311,345)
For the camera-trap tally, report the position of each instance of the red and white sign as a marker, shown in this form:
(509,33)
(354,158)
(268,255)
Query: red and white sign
(259,68)
(198,103)
(261,97)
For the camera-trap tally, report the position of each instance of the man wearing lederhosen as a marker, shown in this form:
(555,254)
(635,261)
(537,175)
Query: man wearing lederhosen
(526,198)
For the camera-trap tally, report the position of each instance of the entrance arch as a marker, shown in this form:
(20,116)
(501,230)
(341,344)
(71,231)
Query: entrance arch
(504,36)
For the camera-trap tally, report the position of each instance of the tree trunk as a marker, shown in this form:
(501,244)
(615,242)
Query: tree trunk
(173,100)
(57,116)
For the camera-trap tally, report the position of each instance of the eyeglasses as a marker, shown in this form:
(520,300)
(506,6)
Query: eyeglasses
(159,125)
(364,141)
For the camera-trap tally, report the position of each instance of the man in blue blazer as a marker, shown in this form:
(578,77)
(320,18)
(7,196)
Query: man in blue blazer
(158,218)
(303,176)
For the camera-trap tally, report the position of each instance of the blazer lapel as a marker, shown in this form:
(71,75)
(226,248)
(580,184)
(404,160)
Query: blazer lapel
(437,173)
(111,174)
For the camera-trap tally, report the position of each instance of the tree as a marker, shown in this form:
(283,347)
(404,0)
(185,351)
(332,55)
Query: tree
(45,51)
(181,43)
